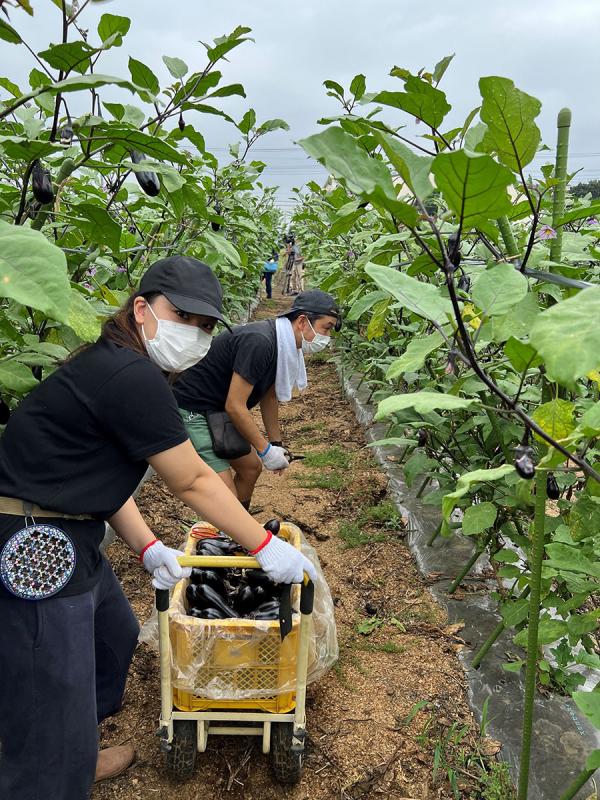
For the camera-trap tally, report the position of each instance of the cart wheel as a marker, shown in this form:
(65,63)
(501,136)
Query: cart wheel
(286,765)
(181,758)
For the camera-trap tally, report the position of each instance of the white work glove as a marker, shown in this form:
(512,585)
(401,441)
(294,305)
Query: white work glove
(282,562)
(161,562)
(274,457)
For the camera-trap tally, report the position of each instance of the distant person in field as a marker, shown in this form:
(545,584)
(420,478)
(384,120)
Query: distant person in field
(297,276)
(289,262)
(270,268)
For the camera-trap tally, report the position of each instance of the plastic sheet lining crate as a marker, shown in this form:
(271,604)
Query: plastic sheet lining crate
(232,663)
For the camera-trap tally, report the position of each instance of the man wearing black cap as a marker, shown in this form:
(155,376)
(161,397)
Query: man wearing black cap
(258,364)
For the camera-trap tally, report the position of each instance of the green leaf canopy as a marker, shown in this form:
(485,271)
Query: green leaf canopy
(509,115)
(567,336)
(33,271)
(420,99)
(421,298)
(474,186)
(345,158)
(497,290)
(422,402)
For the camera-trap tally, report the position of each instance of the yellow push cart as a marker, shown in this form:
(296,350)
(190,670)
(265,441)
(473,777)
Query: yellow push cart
(243,659)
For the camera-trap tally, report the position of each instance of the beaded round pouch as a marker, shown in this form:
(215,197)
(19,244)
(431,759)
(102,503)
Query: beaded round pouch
(37,562)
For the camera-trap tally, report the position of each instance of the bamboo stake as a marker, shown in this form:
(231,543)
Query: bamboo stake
(560,173)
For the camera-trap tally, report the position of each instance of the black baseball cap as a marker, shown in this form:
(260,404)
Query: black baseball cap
(315,301)
(188,283)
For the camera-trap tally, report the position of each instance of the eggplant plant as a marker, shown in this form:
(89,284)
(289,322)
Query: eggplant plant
(92,190)
(470,288)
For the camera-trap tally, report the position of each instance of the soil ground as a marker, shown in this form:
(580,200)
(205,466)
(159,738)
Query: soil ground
(394,707)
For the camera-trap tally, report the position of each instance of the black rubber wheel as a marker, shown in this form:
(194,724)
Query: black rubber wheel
(286,765)
(181,758)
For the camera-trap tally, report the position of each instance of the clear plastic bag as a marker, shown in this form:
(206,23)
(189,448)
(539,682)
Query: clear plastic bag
(236,659)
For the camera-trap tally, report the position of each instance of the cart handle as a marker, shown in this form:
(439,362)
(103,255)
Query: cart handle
(213,562)
(239,562)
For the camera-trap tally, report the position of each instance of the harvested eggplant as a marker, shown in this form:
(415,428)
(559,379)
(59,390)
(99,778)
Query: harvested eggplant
(216,547)
(210,577)
(272,525)
(258,577)
(195,597)
(248,598)
(41,183)
(206,597)
(148,181)
(206,613)
(267,611)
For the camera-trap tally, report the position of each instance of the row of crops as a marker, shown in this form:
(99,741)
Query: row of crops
(470,291)
(469,287)
(93,190)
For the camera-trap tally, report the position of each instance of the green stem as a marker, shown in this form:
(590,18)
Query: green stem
(508,237)
(434,535)
(577,784)
(492,638)
(498,433)
(148,245)
(423,486)
(563,123)
(535,581)
(470,563)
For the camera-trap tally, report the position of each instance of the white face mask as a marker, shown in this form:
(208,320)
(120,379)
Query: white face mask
(315,345)
(175,346)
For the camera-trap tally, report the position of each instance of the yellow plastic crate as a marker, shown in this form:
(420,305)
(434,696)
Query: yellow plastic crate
(236,657)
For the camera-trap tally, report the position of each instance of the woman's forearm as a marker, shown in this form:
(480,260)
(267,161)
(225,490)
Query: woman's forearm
(210,498)
(200,488)
(129,525)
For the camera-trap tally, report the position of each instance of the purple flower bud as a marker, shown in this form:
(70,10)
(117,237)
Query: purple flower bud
(591,221)
(121,269)
(91,272)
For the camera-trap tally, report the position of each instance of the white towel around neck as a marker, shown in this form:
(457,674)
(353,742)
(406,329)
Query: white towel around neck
(291,370)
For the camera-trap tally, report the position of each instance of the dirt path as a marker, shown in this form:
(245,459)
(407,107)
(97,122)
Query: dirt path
(397,656)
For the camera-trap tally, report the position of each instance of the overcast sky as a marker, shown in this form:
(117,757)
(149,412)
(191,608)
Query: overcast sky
(549,48)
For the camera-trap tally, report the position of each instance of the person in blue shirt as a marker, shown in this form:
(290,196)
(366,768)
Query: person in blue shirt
(269,270)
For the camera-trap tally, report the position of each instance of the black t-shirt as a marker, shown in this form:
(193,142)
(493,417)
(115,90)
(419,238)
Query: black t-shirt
(251,351)
(79,443)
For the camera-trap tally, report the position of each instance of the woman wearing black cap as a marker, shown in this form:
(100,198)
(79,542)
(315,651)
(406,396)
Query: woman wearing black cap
(70,458)
(260,363)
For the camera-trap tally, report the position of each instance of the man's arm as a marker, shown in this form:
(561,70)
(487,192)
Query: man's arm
(269,411)
(235,406)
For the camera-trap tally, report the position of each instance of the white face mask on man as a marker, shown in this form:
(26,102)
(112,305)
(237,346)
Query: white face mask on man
(317,344)
(176,346)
